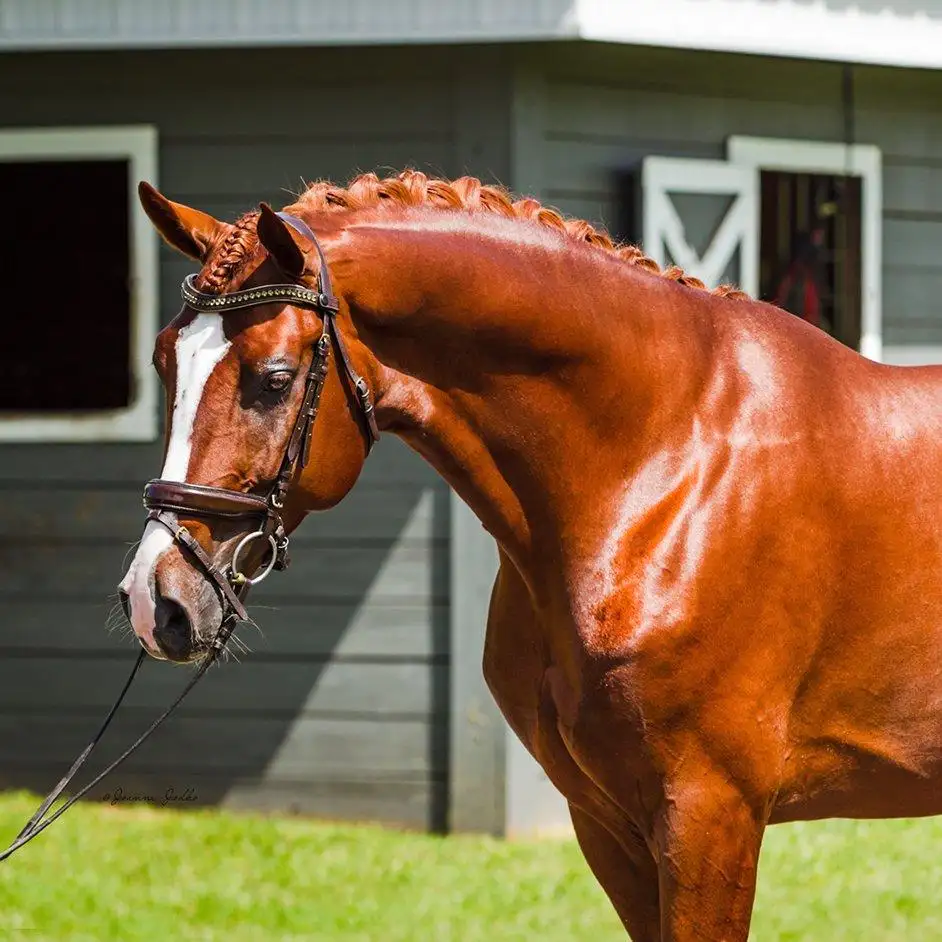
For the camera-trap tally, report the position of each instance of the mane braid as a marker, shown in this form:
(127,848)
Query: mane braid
(414,188)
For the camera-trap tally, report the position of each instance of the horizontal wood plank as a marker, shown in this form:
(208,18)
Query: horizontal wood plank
(372,513)
(250,688)
(106,88)
(413,803)
(611,113)
(912,187)
(911,311)
(576,166)
(128,465)
(905,89)
(763,78)
(911,243)
(274,168)
(417,630)
(86,572)
(900,132)
(307,748)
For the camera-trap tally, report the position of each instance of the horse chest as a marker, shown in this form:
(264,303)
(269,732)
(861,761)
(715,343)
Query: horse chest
(534,693)
(517,655)
(514,665)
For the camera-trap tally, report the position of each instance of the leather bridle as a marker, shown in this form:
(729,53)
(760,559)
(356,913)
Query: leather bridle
(164,499)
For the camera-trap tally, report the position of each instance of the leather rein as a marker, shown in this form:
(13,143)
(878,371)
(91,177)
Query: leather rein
(164,499)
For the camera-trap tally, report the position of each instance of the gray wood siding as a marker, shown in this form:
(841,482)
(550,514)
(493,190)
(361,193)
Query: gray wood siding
(341,707)
(604,108)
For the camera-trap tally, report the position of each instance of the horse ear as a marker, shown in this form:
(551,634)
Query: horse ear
(289,249)
(188,230)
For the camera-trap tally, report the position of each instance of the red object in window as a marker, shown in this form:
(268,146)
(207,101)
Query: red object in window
(799,290)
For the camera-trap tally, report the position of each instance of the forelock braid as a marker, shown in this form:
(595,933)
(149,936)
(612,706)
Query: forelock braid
(238,246)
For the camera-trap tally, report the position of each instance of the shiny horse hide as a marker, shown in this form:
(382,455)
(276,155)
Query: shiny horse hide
(719,603)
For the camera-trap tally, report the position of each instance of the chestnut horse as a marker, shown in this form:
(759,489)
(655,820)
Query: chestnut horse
(719,603)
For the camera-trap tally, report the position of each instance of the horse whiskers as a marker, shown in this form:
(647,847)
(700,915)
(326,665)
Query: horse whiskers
(239,644)
(226,655)
(131,548)
(254,624)
(115,619)
(118,624)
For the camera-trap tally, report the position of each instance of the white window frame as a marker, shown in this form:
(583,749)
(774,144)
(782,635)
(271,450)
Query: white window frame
(138,421)
(738,230)
(859,160)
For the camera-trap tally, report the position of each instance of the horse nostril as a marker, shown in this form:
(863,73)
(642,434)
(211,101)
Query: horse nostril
(172,629)
(125,601)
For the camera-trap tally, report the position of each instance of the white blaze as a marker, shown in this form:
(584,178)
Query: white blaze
(199,348)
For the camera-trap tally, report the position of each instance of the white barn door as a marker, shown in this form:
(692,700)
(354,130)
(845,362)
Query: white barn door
(703,215)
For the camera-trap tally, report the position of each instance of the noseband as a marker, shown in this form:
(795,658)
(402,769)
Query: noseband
(163,499)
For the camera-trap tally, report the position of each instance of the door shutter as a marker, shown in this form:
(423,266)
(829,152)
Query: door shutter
(703,215)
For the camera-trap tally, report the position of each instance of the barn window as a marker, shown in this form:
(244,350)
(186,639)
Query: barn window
(810,249)
(794,222)
(80,297)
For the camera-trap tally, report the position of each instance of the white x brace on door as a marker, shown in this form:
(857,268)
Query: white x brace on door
(665,235)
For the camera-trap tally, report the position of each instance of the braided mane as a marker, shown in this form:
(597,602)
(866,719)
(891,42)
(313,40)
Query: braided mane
(414,188)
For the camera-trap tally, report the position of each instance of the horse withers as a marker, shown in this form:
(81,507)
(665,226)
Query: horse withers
(719,602)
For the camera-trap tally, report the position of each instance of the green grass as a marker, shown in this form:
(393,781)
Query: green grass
(130,874)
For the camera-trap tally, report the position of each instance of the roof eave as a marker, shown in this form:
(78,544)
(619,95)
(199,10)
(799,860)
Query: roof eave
(819,29)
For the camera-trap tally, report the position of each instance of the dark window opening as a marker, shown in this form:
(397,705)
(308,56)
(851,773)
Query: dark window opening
(810,251)
(626,226)
(67,307)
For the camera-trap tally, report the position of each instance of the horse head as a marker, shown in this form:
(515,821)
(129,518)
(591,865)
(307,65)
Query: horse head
(238,381)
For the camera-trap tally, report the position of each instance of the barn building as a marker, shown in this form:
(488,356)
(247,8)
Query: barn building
(795,148)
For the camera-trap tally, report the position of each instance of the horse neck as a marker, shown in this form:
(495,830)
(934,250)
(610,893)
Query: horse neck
(519,365)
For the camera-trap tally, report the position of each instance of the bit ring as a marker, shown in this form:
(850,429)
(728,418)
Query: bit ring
(240,578)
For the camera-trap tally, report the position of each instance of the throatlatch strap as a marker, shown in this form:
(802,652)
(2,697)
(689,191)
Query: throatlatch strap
(332,307)
(359,385)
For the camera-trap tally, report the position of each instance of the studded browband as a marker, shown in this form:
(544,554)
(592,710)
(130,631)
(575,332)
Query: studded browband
(250,297)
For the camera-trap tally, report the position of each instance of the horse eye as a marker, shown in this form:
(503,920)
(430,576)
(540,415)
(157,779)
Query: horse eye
(278,381)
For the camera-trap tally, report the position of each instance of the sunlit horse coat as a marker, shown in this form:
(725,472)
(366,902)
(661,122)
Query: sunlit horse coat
(719,602)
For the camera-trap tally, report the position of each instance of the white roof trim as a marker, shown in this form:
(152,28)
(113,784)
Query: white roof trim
(894,32)
(882,32)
